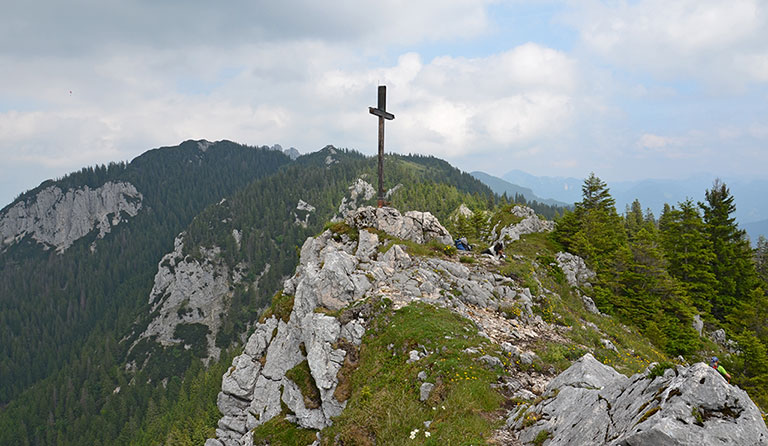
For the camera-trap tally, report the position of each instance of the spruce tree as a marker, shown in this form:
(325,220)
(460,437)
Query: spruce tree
(733,267)
(689,253)
(761,260)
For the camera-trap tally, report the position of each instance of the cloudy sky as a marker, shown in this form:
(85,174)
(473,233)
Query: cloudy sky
(627,89)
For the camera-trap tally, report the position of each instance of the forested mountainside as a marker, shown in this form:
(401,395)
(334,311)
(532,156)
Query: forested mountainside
(65,351)
(133,324)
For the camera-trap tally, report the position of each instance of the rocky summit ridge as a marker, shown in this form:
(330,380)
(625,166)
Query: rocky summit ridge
(319,320)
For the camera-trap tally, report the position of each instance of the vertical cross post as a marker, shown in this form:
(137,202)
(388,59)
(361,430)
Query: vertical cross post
(381,112)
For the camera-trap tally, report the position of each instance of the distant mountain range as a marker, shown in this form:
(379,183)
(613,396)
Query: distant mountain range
(751,205)
(500,187)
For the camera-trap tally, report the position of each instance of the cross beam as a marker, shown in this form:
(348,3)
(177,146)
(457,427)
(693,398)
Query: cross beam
(381,112)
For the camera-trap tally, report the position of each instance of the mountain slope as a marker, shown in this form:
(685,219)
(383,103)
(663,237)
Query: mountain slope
(87,396)
(65,310)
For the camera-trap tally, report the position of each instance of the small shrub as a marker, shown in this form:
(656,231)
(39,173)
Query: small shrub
(658,369)
(281,307)
(541,437)
(697,416)
(511,311)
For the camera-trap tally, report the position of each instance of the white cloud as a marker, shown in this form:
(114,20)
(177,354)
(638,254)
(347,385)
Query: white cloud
(720,42)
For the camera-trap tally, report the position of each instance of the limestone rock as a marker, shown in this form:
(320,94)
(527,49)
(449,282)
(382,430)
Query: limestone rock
(425,390)
(530,224)
(574,268)
(302,213)
(358,192)
(419,227)
(591,403)
(190,291)
(58,218)
(292,153)
(337,273)
(589,304)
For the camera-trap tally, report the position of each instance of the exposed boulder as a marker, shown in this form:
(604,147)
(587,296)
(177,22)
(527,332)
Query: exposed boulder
(590,403)
(575,270)
(530,224)
(419,227)
(302,213)
(462,211)
(59,218)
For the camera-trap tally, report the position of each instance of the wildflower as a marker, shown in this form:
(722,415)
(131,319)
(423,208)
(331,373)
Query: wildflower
(413,433)
(427,434)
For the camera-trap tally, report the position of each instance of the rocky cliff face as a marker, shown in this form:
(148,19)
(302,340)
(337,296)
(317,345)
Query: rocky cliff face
(58,218)
(190,291)
(590,403)
(337,272)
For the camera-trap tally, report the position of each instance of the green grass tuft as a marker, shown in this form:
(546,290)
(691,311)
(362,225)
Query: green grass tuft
(384,405)
(279,431)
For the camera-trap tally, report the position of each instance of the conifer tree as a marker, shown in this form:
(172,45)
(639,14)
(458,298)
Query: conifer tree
(733,267)
(761,260)
(689,253)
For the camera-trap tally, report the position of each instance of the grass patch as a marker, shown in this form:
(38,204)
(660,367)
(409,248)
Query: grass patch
(302,376)
(281,307)
(467,259)
(559,356)
(658,369)
(341,228)
(432,248)
(279,431)
(384,405)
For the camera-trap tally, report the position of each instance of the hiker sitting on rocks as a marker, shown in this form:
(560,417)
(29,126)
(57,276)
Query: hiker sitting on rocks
(715,364)
(496,250)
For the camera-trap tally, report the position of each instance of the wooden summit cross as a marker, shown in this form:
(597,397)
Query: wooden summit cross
(381,112)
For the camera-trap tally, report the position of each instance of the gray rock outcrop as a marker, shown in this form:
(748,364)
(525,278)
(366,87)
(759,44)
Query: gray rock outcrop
(358,192)
(575,269)
(419,227)
(530,224)
(590,403)
(302,213)
(190,291)
(698,324)
(336,271)
(58,218)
